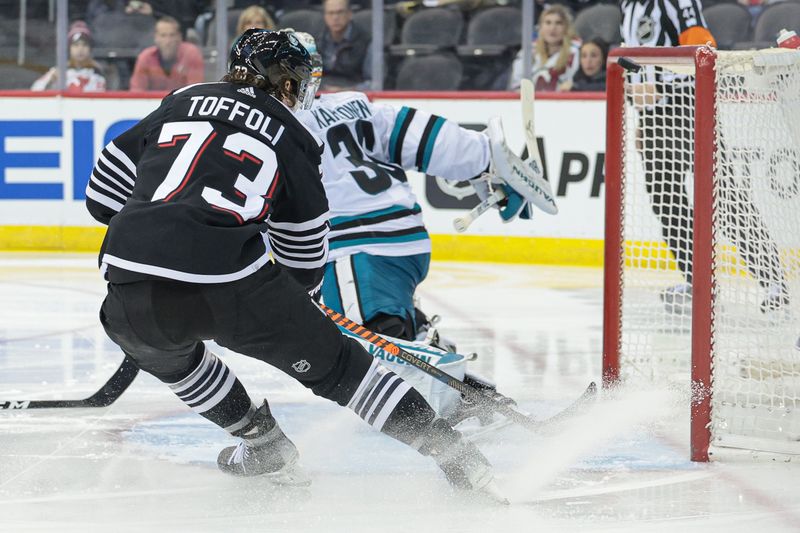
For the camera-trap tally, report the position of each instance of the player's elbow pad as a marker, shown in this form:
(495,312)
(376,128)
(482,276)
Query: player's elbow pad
(696,35)
(99,213)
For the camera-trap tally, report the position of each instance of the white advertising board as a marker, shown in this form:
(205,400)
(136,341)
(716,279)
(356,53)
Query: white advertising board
(49,144)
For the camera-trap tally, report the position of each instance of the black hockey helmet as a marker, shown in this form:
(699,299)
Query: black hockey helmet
(274,56)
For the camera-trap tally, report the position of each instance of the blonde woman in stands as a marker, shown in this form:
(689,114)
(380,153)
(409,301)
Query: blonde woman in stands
(254,17)
(556,56)
(84,74)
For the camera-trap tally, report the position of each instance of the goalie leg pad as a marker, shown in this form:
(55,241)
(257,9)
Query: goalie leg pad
(444,400)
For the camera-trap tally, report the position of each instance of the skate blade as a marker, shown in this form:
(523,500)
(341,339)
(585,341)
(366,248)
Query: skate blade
(473,431)
(492,492)
(291,476)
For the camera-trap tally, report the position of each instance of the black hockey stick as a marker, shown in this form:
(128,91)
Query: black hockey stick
(471,393)
(108,393)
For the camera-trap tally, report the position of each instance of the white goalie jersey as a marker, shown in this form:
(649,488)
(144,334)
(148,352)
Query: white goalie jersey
(367,148)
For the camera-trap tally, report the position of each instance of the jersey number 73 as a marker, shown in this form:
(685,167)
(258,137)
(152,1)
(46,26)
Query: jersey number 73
(253,191)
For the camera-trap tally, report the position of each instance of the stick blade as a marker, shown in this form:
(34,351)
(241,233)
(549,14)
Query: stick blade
(461,224)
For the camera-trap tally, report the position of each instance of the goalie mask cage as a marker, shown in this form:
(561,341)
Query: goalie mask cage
(702,152)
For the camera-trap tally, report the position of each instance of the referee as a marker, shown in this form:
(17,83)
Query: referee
(665,141)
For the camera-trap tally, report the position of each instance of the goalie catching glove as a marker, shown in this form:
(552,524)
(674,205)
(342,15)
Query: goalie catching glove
(515,206)
(512,204)
(523,183)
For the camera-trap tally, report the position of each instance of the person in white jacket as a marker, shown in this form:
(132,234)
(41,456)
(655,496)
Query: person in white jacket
(83,73)
(556,53)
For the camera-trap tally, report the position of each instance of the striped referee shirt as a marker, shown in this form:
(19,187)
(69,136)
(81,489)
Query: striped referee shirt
(658,22)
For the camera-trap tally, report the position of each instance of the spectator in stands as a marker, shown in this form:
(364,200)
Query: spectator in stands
(555,52)
(591,75)
(345,49)
(170,64)
(254,17)
(84,74)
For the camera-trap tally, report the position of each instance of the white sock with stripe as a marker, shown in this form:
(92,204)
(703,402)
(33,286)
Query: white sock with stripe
(213,391)
(389,404)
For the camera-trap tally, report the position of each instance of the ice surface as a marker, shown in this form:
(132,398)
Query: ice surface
(146,463)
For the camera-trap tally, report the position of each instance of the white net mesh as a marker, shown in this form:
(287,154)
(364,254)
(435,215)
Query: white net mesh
(657,162)
(756,368)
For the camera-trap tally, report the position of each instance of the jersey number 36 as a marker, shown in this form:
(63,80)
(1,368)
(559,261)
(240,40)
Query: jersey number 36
(372,176)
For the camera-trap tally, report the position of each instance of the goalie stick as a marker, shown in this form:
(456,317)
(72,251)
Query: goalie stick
(471,393)
(462,223)
(108,393)
(527,97)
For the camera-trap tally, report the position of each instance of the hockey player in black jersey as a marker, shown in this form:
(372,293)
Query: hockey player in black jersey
(195,196)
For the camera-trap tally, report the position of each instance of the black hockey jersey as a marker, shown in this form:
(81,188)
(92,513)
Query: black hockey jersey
(203,188)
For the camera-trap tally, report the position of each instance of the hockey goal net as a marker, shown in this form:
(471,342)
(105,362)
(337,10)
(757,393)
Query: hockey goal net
(702,239)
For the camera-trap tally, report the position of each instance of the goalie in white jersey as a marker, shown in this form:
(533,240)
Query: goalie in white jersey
(379,249)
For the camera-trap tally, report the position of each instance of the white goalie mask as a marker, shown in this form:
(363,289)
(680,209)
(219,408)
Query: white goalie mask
(316,72)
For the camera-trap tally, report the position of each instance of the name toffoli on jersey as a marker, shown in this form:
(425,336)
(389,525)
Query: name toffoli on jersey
(237,112)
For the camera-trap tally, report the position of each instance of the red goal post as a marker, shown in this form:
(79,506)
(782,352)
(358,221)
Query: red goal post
(690,160)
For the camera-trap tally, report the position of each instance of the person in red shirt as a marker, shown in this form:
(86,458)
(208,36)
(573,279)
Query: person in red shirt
(168,65)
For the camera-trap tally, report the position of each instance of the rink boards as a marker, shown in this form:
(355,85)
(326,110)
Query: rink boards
(50,142)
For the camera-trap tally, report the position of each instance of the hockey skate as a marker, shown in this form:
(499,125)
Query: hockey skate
(677,299)
(463,464)
(777,298)
(429,334)
(468,409)
(264,450)
(435,339)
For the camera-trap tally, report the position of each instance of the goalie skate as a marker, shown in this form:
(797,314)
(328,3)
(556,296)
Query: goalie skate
(677,299)
(471,417)
(463,464)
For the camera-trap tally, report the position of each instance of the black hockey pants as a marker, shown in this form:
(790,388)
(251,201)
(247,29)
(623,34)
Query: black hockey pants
(267,315)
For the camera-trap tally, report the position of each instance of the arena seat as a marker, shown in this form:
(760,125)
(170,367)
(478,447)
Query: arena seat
(120,35)
(436,72)
(774,18)
(429,31)
(306,20)
(728,23)
(492,32)
(363,20)
(493,37)
(211,27)
(600,20)
(13,76)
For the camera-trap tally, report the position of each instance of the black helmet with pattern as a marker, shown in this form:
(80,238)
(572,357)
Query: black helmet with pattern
(274,56)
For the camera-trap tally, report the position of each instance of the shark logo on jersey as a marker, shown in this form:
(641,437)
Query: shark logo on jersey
(456,189)
(301,366)
(248,91)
